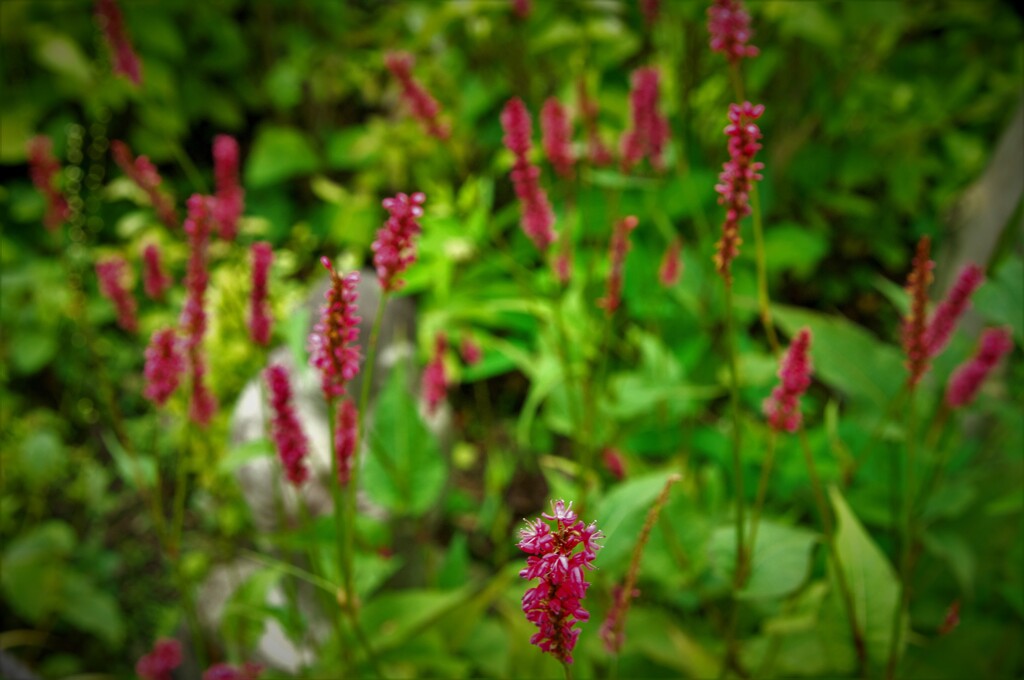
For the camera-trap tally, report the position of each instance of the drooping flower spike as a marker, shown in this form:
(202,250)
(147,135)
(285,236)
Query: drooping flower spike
(949,311)
(154,280)
(537,217)
(435,380)
(164,366)
(915,324)
(45,171)
(112,273)
(649,133)
(126,61)
(556,136)
(159,664)
(289,439)
(259,309)
(394,249)
(782,408)
(145,175)
(230,195)
(333,344)
(729,26)
(967,379)
(193,319)
(671,269)
(424,107)
(617,251)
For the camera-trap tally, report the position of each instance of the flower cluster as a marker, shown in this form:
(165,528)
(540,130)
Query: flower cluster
(671,269)
(44,170)
(435,381)
(950,310)
(289,438)
(230,195)
(145,175)
(159,664)
(394,250)
(915,324)
(259,310)
(736,180)
(345,438)
(154,280)
(729,26)
(193,315)
(126,62)
(649,132)
(164,366)
(617,255)
(556,136)
(223,671)
(333,344)
(782,408)
(424,106)
(597,152)
(554,604)
(112,272)
(537,218)
(470,351)
(966,380)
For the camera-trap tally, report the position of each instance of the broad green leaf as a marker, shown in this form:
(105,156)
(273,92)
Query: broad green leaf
(34,569)
(621,514)
(658,636)
(278,154)
(90,609)
(401,615)
(1001,299)
(63,56)
(239,455)
(780,562)
(134,468)
(31,349)
(42,457)
(793,247)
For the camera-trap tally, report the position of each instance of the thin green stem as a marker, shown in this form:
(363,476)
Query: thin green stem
(901,612)
(189,167)
(737,443)
(894,402)
(341,532)
(762,491)
(763,299)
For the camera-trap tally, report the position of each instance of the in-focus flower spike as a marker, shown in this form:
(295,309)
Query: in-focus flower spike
(556,136)
(782,408)
(554,605)
(617,256)
(164,366)
(159,664)
(671,269)
(424,107)
(435,380)
(112,272)
(394,249)
(126,62)
(736,180)
(333,344)
(45,170)
(259,308)
(223,671)
(649,132)
(289,439)
(145,175)
(230,195)
(915,324)
(967,379)
(537,217)
(952,308)
(193,316)
(154,280)
(729,26)
(597,152)
(346,424)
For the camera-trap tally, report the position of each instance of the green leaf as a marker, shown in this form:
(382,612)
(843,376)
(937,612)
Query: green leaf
(243,453)
(279,153)
(90,609)
(404,471)
(793,247)
(63,56)
(621,514)
(1001,299)
(780,563)
(32,349)
(42,456)
(34,568)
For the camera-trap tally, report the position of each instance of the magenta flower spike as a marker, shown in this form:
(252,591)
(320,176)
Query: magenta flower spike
(537,217)
(193,316)
(671,269)
(289,439)
(617,251)
(470,351)
(435,381)
(521,8)
(649,133)
(554,605)
(423,106)
(126,62)
(556,136)
(112,272)
(950,310)
(223,671)
(967,379)
(230,196)
(782,408)
(154,280)
(333,344)
(729,26)
(45,171)
(736,181)
(394,249)
(345,438)
(259,309)
(915,324)
(650,10)
(164,366)
(159,664)
(145,175)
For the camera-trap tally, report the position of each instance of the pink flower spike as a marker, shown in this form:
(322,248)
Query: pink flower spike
(223,671)
(202,404)
(556,135)
(126,62)
(112,272)
(259,309)
(671,269)
(333,344)
(554,605)
(650,9)
(617,255)
(155,281)
(736,181)
(164,366)
(230,196)
(782,408)
(45,171)
(614,462)
(649,133)
(289,439)
(394,249)
(915,324)
(952,308)
(537,217)
(160,663)
(435,380)
(144,174)
(729,26)
(967,379)
(521,8)
(345,436)
(424,107)
(470,351)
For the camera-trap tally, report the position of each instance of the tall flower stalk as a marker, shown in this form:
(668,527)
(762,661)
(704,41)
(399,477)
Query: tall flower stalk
(537,217)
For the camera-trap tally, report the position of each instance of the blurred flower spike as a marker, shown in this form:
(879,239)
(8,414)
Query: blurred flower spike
(126,62)
(333,344)
(729,26)
(45,171)
(537,217)
(782,408)
(967,379)
(424,107)
(736,181)
(394,249)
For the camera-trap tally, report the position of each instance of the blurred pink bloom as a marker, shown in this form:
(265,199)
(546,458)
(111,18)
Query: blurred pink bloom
(650,9)
(45,171)
(230,196)
(160,663)
(554,604)
(470,351)
(736,181)
(521,8)
(952,308)
(112,272)
(563,266)
(202,404)
(223,671)
(193,315)
(617,256)
(345,435)
(782,408)
(435,380)
(126,62)
(537,217)
(289,439)
(259,309)
(145,175)
(614,462)
(967,379)
(164,366)
(394,249)
(649,132)
(424,107)
(729,26)
(333,344)
(154,280)
(915,324)
(671,269)
(556,136)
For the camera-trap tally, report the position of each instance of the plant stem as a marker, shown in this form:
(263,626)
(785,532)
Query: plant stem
(901,612)
(189,167)
(763,300)
(762,491)
(737,444)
